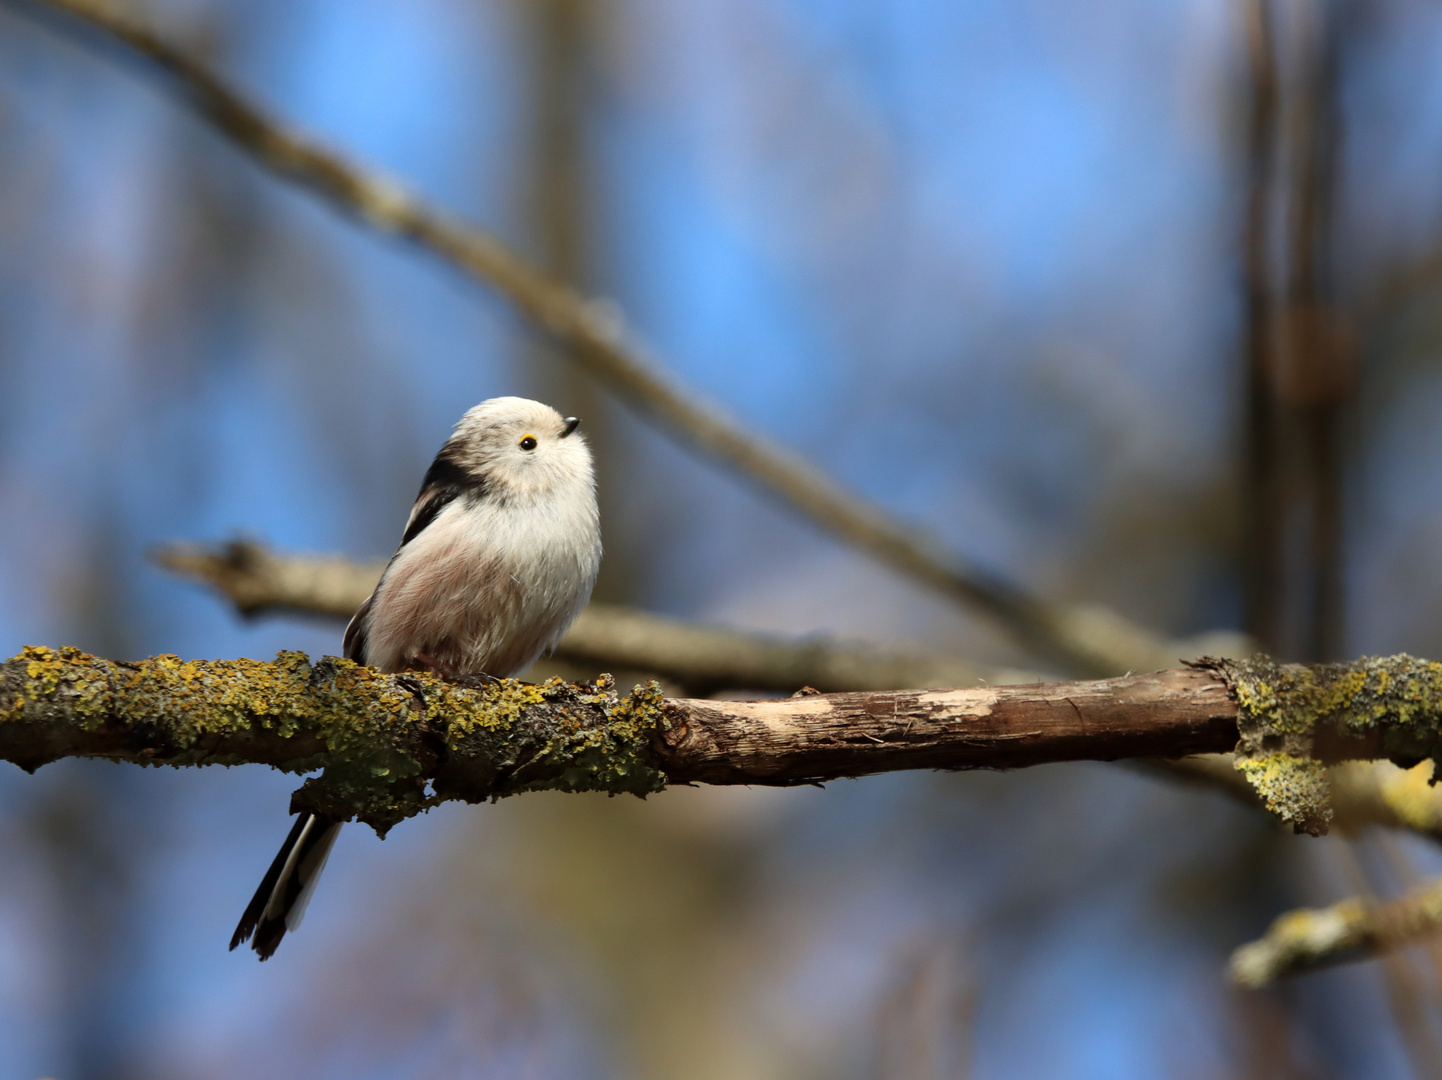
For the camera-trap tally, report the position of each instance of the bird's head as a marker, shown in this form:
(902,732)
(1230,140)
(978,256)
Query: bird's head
(521,447)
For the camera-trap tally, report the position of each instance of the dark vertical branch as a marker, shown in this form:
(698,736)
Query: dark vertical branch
(1320,378)
(1262,569)
(1301,367)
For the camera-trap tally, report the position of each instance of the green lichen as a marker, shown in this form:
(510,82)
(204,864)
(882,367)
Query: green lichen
(495,709)
(377,738)
(1293,718)
(1295,789)
(522,737)
(611,758)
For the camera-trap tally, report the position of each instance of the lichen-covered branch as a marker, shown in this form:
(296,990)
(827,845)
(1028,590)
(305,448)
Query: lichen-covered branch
(391,745)
(1307,939)
(1081,640)
(606,636)
(1294,718)
(701,658)
(388,745)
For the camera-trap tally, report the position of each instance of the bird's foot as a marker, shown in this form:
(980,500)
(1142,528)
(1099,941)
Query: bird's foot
(478,681)
(472,680)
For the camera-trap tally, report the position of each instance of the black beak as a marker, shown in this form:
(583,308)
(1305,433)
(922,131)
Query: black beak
(572,423)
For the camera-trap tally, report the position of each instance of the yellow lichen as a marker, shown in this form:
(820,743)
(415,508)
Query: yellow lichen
(495,708)
(1295,789)
(1376,706)
(350,721)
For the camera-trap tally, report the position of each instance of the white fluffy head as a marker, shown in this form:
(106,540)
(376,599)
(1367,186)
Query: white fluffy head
(520,447)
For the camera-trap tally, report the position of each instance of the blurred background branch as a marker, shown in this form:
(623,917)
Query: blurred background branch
(699,659)
(1311,938)
(1082,640)
(1363,793)
(1300,345)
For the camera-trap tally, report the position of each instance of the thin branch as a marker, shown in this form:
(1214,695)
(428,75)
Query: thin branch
(1407,993)
(1079,639)
(704,658)
(1309,938)
(700,658)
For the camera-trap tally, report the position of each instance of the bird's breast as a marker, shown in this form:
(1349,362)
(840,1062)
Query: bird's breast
(486,587)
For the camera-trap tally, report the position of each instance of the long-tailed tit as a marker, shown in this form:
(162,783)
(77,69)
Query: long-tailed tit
(499,555)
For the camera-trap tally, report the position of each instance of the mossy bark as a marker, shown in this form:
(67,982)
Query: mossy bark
(1293,719)
(389,746)
(386,746)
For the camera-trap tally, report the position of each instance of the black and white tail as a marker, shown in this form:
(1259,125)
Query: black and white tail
(279,904)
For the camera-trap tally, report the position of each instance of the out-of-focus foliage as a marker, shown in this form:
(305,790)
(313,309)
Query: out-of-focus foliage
(978,260)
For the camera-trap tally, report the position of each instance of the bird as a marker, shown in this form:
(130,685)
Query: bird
(499,555)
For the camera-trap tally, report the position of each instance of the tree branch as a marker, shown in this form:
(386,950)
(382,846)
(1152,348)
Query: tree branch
(700,658)
(381,739)
(1082,640)
(391,746)
(258,581)
(703,659)
(1308,939)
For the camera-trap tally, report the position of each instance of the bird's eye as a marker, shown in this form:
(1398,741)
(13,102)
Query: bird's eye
(528,442)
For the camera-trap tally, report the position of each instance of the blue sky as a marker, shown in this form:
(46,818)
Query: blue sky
(977,260)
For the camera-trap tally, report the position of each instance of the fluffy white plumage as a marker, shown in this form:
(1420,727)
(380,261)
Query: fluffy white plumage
(500,568)
(498,557)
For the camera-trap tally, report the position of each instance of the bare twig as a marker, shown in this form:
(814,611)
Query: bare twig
(611,637)
(1311,938)
(1082,640)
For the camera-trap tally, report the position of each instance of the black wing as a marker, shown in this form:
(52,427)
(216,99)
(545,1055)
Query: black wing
(445,482)
(357,630)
